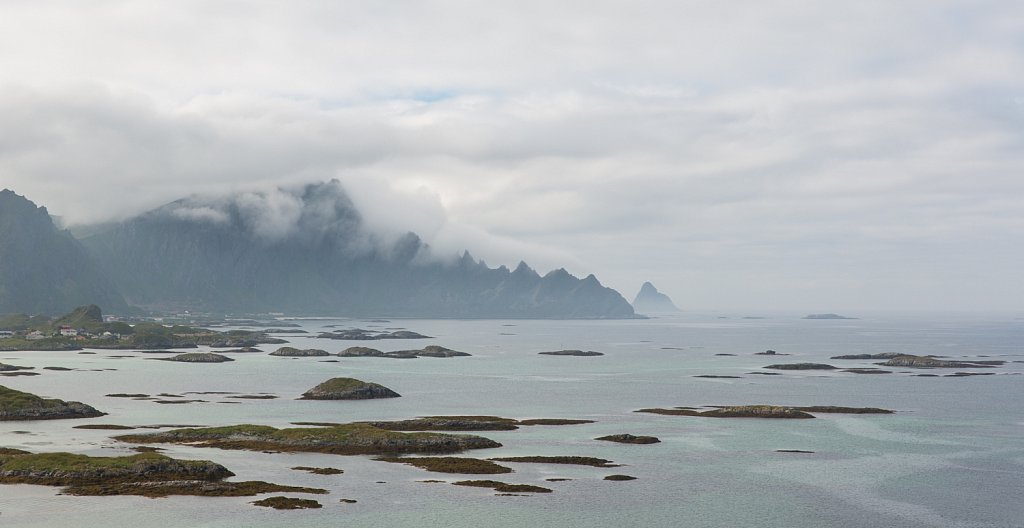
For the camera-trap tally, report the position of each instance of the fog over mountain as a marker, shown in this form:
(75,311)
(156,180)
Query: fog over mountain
(740,155)
(306,249)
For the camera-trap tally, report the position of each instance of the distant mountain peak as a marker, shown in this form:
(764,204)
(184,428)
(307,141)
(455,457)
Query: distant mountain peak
(650,300)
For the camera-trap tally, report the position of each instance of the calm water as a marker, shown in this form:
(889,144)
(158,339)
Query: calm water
(953,456)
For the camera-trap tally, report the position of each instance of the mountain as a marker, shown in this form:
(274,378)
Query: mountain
(307,250)
(650,300)
(44,269)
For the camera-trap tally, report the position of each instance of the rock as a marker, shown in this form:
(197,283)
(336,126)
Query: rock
(198,357)
(348,389)
(440,351)
(827,316)
(826,409)
(572,460)
(553,421)
(619,477)
(801,366)
(319,471)
(358,351)
(295,352)
(571,353)
(502,487)
(883,355)
(713,376)
(287,503)
(867,371)
(742,411)
(769,353)
(469,466)
(650,300)
(11,368)
(17,405)
(342,439)
(930,362)
(450,423)
(629,439)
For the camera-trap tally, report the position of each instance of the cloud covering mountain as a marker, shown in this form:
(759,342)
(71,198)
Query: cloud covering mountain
(740,154)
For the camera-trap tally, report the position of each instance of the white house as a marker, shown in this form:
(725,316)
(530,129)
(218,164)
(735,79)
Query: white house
(67,331)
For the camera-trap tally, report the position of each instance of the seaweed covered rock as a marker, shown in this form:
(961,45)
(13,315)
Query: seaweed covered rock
(288,503)
(295,352)
(738,411)
(348,389)
(340,439)
(583,353)
(198,357)
(627,438)
(17,405)
(801,366)
(930,362)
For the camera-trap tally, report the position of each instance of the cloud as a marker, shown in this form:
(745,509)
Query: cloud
(732,153)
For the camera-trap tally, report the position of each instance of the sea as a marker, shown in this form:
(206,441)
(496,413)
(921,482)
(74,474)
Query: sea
(952,455)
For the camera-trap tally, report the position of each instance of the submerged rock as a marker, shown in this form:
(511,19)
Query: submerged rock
(17,405)
(348,389)
(572,460)
(619,477)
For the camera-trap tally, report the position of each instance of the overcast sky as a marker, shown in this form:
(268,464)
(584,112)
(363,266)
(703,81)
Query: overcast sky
(742,155)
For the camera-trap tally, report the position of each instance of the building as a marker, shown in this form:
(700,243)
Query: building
(67,331)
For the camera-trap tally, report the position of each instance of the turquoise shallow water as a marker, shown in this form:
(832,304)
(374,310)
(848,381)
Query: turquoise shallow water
(953,456)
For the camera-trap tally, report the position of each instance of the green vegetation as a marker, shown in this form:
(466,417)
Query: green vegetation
(146,474)
(469,423)
(17,405)
(469,466)
(348,389)
(89,330)
(344,439)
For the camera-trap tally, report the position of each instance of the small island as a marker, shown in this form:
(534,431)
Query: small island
(348,389)
(295,352)
(198,357)
(146,474)
(831,316)
(627,438)
(341,439)
(582,353)
(17,405)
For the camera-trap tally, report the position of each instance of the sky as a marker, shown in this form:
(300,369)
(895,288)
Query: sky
(741,155)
